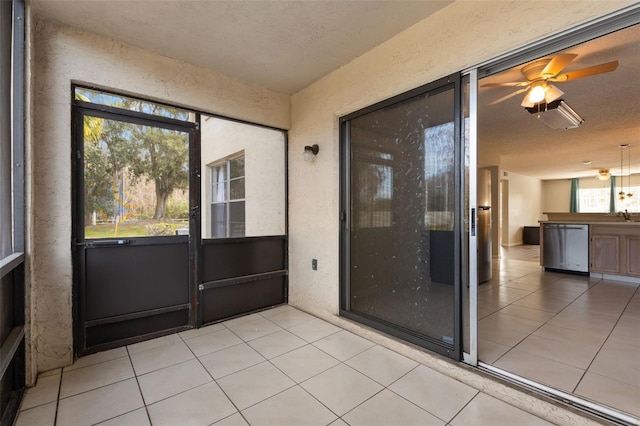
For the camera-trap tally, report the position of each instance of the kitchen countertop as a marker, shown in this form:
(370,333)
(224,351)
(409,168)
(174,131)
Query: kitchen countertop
(584,222)
(591,218)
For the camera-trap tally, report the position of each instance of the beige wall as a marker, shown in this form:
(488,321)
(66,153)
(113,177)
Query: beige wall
(556,195)
(60,56)
(459,36)
(525,206)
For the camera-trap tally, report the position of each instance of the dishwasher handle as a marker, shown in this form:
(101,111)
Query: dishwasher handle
(554,226)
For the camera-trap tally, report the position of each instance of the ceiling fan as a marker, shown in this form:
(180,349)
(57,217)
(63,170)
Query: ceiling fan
(541,72)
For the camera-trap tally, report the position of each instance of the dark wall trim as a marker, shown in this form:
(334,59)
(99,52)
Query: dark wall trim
(241,280)
(18,125)
(136,315)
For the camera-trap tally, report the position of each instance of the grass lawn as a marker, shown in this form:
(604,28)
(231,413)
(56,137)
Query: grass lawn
(126,229)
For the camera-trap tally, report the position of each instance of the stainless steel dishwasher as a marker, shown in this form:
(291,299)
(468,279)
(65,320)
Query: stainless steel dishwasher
(565,246)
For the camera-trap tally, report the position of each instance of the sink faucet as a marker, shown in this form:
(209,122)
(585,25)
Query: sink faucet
(626,215)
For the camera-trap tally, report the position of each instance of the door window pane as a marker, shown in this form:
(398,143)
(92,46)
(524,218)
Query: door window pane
(135,180)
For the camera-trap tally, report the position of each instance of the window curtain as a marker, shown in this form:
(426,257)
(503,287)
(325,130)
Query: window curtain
(220,196)
(574,206)
(612,195)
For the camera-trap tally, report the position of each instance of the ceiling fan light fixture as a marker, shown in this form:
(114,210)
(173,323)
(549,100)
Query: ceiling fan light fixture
(537,93)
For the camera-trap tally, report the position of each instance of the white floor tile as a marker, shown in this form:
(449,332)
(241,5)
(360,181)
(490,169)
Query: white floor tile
(434,392)
(42,415)
(293,407)
(233,420)
(277,311)
(137,417)
(45,391)
(619,361)
(314,329)
(231,360)
(304,363)
(97,358)
(95,376)
(255,329)
(212,342)
(341,388)
(541,369)
(343,345)
(200,331)
(99,404)
(170,381)
(382,365)
(245,390)
(613,393)
(387,408)
(276,344)
(160,357)
(490,352)
(579,354)
(290,318)
(200,406)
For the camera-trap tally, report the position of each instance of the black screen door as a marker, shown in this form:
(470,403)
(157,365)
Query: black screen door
(131,225)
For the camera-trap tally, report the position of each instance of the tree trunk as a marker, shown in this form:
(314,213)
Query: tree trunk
(161,202)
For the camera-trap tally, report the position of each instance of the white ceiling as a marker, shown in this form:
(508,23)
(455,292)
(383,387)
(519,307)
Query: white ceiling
(286,45)
(278,44)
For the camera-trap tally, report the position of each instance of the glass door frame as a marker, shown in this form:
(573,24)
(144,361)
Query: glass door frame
(455,351)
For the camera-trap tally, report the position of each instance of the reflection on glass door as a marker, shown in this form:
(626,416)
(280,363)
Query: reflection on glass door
(403,217)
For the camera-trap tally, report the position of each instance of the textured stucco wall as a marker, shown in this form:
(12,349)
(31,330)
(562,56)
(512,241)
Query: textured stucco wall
(62,55)
(461,35)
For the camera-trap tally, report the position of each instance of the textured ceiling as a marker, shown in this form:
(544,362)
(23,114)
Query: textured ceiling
(281,45)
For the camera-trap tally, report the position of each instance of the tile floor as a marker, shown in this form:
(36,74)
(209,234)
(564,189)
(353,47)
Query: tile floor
(278,367)
(574,333)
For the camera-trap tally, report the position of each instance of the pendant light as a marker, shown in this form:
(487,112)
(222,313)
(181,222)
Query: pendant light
(621,194)
(629,194)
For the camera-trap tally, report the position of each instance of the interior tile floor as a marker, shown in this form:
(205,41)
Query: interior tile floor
(277,367)
(574,333)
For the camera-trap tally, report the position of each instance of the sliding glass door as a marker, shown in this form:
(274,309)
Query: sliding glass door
(402,228)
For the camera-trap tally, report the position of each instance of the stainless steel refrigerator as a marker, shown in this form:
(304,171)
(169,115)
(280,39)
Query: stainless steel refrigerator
(483,225)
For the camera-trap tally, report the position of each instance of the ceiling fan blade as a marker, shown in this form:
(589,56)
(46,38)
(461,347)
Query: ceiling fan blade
(509,84)
(557,64)
(587,72)
(510,95)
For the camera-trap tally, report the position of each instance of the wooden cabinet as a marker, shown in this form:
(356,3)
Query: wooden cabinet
(615,249)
